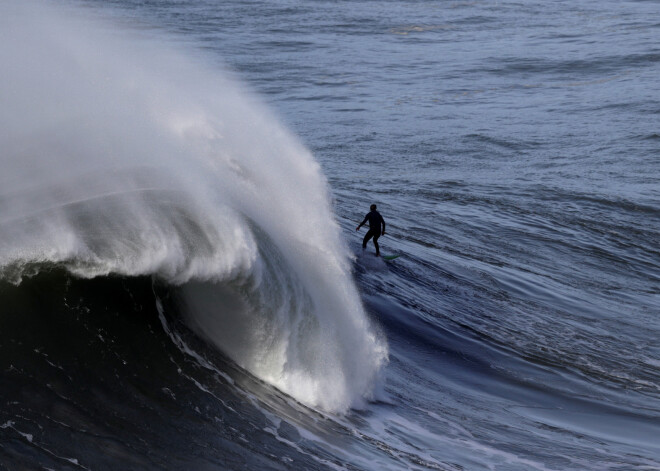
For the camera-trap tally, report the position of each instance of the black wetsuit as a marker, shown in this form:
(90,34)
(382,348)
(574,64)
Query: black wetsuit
(375,221)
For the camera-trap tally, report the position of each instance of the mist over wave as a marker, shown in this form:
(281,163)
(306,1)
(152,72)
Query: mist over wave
(123,156)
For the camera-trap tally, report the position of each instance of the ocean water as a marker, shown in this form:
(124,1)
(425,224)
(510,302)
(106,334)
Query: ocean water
(181,283)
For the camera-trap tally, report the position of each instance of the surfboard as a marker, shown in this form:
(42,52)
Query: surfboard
(390,257)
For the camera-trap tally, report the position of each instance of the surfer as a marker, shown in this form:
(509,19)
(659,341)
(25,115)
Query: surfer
(375,220)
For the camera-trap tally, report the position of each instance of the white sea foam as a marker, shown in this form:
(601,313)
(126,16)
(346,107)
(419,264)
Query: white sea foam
(123,156)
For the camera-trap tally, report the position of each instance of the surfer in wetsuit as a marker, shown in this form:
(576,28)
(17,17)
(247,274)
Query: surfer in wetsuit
(375,220)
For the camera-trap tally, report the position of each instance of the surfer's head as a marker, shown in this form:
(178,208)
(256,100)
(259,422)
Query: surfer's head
(373,207)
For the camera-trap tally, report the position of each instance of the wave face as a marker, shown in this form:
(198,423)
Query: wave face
(122,156)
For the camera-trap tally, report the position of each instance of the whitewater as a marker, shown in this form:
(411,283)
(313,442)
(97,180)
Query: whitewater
(147,163)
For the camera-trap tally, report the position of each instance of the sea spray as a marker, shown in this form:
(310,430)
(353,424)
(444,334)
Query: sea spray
(124,156)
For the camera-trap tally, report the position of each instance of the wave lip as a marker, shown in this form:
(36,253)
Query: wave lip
(122,156)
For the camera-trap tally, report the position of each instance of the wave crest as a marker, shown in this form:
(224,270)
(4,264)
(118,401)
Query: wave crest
(148,163)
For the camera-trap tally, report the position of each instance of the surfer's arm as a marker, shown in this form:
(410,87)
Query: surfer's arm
(362,223)
(383,221)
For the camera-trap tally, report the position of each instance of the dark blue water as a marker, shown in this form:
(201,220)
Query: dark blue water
(513,149)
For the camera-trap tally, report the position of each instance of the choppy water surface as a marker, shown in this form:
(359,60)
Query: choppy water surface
(514,151)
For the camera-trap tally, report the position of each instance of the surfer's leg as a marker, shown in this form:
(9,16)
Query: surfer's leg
(367,236)
(376,236)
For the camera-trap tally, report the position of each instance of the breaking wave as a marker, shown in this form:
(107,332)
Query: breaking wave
(124,157)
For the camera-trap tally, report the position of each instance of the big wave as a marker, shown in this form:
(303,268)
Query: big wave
(122,156)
